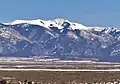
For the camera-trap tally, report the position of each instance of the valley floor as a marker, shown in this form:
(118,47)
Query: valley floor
(84,65)
(60,72)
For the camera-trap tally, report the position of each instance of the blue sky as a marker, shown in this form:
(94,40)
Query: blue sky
(88,12)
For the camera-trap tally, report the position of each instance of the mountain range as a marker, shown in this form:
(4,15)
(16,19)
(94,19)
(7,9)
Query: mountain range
(59,38)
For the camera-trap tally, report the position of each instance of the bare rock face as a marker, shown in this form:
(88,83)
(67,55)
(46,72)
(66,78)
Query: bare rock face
(59,39)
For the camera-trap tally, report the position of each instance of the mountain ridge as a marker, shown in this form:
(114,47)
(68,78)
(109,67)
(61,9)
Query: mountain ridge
(59,38)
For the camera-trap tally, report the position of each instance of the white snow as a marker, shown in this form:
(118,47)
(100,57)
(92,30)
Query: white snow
(97,28)
(34,22)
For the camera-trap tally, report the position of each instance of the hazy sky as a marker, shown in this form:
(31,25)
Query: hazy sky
(88,12)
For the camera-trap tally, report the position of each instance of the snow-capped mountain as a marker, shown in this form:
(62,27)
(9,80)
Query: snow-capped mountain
(59,23)
(59,38)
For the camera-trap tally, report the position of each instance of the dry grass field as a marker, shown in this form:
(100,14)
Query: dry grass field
(48,77)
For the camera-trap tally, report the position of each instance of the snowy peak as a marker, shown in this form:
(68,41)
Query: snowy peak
(62,24)
(58,22)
